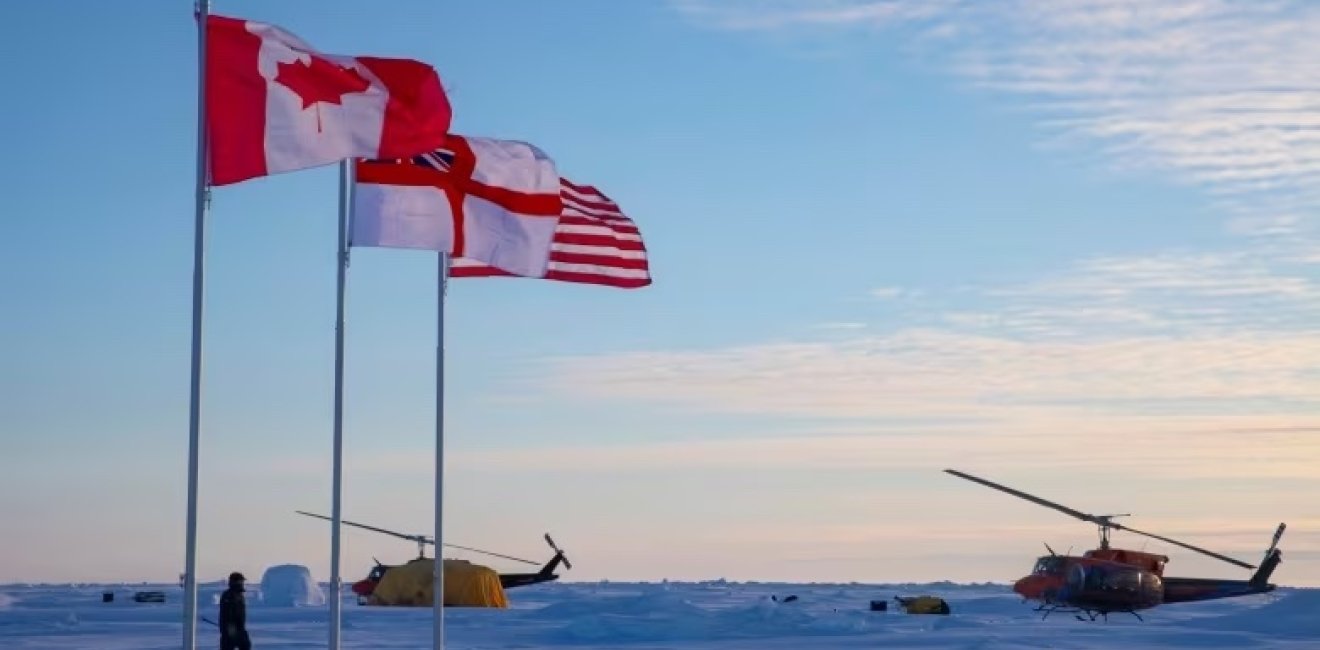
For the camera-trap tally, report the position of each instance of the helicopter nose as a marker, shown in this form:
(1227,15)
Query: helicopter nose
(1020,587)
(1030,587)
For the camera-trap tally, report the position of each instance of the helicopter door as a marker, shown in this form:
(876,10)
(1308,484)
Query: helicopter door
(1077,578)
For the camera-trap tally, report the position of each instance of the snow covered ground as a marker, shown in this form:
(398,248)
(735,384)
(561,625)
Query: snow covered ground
(648,616)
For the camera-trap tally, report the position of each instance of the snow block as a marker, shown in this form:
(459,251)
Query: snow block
(290,585)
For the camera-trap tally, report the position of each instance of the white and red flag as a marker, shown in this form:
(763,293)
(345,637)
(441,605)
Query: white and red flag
(594,243)
(492,201)
(275,104)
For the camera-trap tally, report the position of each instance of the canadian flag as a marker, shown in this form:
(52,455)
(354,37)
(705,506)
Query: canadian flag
(275,104)
(491,201)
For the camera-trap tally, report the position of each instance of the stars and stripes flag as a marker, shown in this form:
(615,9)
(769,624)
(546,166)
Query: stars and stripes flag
(593,243)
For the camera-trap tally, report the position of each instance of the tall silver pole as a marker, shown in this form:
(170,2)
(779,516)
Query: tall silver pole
(203,8)
(438,584)
(336,582)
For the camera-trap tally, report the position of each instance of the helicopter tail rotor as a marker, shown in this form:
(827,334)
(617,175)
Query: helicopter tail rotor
(559,554)
(1273,556)
(1278,532)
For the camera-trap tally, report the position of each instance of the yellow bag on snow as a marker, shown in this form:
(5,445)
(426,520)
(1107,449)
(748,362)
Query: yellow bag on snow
(923,605)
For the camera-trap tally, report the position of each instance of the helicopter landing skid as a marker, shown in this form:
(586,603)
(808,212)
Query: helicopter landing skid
(1077,612)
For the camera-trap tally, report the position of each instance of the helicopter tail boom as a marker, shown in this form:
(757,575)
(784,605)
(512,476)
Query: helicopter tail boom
(546,574)
(1186,590)
(1182,590)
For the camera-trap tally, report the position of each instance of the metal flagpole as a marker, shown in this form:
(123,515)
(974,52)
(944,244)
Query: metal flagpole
(336,582)
(203,8)
(438,572)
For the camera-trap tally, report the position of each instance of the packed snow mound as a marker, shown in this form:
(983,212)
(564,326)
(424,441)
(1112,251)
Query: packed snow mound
(290,585)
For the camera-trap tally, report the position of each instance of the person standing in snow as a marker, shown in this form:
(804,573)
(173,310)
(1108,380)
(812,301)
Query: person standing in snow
(233,616)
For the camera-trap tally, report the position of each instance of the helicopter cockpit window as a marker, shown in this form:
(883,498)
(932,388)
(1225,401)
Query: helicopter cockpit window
(1048,566)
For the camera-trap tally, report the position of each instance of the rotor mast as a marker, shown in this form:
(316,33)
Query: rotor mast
(1105,524)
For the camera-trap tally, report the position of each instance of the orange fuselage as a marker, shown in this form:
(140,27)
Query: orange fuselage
(1118,576)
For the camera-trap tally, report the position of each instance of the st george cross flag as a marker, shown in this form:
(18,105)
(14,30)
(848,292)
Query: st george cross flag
(594,243)
(493,201)
(275,104)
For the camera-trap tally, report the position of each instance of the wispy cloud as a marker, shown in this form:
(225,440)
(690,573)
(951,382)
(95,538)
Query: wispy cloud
(778,14)
(1220,93)
(1224,534)
(1254,289)
(1161,351)
(888,293)
(1177,450)
(1016,360)
(841,325)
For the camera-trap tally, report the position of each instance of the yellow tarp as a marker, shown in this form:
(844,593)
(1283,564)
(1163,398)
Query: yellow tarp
(924,605)
(466,585)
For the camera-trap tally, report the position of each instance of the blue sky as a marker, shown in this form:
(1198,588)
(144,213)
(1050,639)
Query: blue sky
(1070,247)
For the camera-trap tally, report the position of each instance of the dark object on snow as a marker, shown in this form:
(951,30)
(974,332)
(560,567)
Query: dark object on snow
(879,605)
(787,599)
(233,616)
(148,597)
(108,597)
(923,605)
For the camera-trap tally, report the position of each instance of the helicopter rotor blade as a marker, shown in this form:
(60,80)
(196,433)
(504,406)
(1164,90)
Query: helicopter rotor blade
(507,557)
(1034,499)
(1102,520)
(420,539)
(1189,547)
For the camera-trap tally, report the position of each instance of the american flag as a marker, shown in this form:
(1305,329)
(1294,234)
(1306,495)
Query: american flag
(594,243)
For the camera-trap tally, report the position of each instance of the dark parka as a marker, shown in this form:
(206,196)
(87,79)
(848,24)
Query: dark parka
(233,616)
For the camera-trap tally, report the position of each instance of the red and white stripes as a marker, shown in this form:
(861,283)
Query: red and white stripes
(594,243)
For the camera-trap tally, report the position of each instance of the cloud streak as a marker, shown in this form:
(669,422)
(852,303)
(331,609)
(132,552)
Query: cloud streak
(1221,93)
(1169,450)
(1197,366)
(941,374)
(780,14)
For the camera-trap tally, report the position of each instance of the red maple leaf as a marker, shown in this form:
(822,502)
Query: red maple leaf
(320,81)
